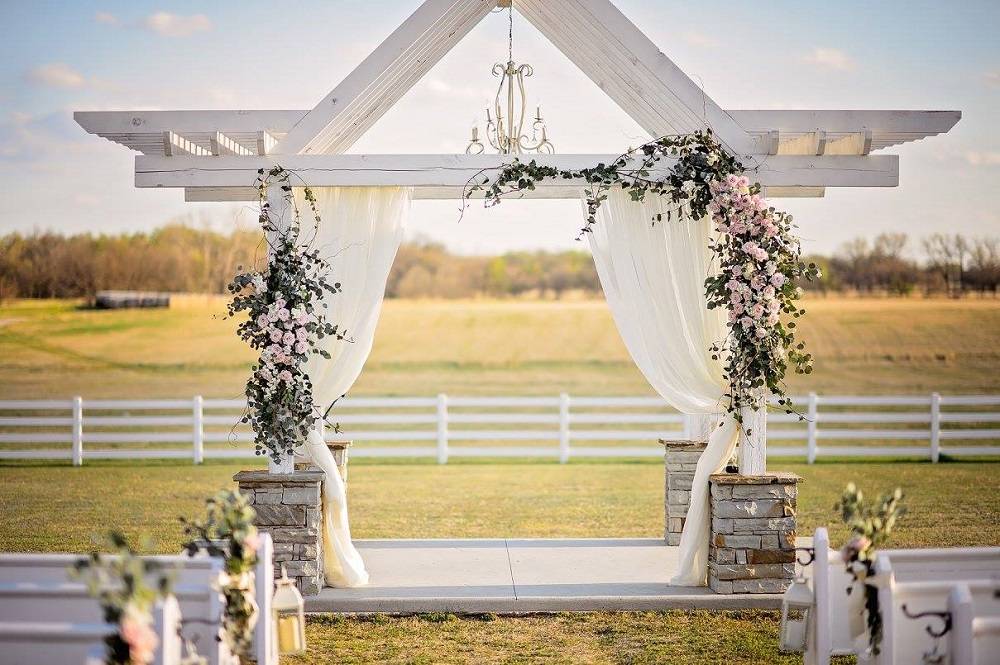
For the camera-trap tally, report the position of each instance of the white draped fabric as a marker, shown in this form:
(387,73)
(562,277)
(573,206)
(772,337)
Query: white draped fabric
(359,233)
(653,276)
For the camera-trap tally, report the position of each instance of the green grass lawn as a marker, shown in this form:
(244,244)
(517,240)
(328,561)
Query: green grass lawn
(54,507)
(50,507)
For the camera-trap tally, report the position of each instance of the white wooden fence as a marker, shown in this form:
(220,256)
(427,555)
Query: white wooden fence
(442,427)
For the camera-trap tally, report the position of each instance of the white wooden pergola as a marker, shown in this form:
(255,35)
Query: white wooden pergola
(216,155)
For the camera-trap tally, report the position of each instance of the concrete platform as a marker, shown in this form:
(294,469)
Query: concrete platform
(516,575)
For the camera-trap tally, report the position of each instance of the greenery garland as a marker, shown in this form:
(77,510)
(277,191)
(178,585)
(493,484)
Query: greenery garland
(228,532)
(757,254)
(870,524)
(285,322)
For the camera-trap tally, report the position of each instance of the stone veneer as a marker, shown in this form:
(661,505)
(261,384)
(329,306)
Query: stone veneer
(751,547)
(679,459)
(289,508)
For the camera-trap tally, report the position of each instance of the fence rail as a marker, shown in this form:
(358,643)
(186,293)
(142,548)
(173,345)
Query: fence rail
(441,427)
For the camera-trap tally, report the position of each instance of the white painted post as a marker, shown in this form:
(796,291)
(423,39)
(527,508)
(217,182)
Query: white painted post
(753,446)
(935,427)
(811,426)
(442,433)
(563,428)
(77,431)
(198,428)
(688,426)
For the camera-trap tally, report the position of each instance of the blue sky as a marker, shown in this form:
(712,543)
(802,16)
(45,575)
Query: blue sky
(56,57)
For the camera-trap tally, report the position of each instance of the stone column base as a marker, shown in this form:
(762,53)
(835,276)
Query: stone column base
(753,533)
(289,508)
(679,459)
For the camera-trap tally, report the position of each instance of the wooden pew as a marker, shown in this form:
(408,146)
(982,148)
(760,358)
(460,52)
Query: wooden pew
(922,581)
(37,587)
(61,642)
(829,634)
(974,638)
(31,585)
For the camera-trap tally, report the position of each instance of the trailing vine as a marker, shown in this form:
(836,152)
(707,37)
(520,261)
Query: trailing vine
(285,322)
(757,255)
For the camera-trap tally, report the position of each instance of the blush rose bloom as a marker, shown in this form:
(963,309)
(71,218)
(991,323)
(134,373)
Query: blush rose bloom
(140,637)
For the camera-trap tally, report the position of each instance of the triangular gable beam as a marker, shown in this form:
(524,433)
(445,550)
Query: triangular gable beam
(382,79)
(593,34)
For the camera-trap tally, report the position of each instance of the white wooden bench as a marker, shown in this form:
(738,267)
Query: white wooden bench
(37,588)
(975,627)
(922,581)
(60,642)
(829,632)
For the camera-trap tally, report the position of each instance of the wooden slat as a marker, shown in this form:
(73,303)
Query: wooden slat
(457,170)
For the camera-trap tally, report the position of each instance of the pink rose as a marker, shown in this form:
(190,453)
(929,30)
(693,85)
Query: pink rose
(251,542)
(757,311)
(301,347)
(283,315)
(140,637)
(288,338)
(777,279)
(761,333)
(854,547)
(285,376)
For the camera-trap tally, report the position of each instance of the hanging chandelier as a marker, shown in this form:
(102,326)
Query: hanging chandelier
(505,124)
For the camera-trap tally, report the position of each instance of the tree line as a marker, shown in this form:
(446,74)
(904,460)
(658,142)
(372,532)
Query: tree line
(180,258)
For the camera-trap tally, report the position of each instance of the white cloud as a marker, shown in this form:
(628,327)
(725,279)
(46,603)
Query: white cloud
(57,75)
(175,25)
(695,38)
(106,18)
(992,78)
(975,158)
(830,58)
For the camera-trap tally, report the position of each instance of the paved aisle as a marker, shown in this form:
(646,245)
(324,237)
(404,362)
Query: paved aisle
(518,575)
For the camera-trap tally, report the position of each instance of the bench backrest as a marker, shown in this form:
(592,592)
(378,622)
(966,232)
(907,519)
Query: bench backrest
(37,588)
(829,634)
(905,639)
(975,627)
(60,642)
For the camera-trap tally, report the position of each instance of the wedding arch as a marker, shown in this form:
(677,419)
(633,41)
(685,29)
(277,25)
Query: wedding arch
(220,156)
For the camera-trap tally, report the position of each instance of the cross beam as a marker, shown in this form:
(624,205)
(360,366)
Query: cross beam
(454,171)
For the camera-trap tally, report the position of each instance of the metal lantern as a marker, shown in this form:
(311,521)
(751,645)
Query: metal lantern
(796,613)
(288,614)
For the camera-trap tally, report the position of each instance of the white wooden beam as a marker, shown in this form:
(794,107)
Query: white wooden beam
(186,122)
(456,170)
(265,142)
(230,194)
(354,105)
(794,192)
(224,145)
(845,121)
(626,65)
(175,144)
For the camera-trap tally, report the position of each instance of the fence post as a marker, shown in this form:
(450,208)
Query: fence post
(198,427)
(442,423)
(811,426)
(563,428)
(77,431)
(935,427)
(688,426)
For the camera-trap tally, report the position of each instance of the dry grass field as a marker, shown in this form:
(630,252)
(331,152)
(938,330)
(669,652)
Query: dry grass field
(862,346)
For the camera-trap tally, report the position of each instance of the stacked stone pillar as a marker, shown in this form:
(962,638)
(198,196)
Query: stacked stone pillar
(753,533)
(289,508)
(680,459)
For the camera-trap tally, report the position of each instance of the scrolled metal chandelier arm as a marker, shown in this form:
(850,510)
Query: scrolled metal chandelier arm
(505,126)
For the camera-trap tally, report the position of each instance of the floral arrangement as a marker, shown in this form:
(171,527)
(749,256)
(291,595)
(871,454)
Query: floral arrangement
(757,252)
(870,526)
(284,324)
(228,532)
(120,584)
